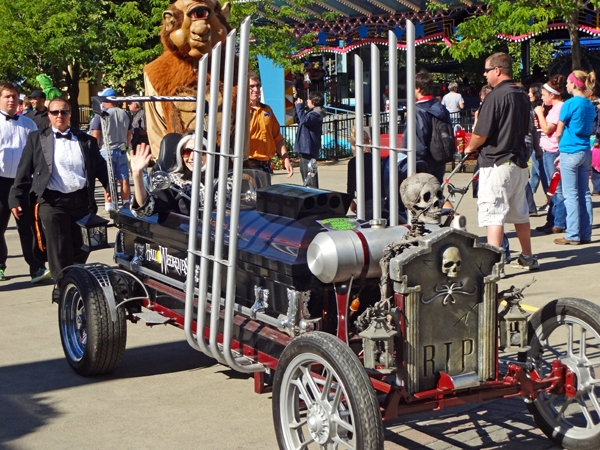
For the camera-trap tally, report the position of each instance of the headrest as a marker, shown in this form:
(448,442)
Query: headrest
(167,158)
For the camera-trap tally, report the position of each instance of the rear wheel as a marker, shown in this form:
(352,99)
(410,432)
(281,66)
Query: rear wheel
(323,398)
(568,329)
(92,342)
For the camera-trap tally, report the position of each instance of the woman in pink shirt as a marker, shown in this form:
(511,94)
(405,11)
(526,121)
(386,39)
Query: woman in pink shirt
(552,93)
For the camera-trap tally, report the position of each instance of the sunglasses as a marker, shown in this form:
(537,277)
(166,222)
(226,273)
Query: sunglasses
(56,112)
(187,152)
(488,69)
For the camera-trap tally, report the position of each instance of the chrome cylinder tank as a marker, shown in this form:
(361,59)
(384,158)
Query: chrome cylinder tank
(337,256)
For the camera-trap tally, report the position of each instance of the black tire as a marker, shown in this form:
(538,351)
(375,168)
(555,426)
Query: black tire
(92,342)
(571,422)
(315,423)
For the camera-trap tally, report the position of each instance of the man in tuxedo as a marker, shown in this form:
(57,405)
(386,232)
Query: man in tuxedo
(14,129)
(64,163)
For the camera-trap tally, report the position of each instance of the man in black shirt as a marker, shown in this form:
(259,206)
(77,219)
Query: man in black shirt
(39,113)
(500,133)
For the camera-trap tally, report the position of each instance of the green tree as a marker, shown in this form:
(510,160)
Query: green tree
(273,38)
(71,40)
(477,35)
(132,36)
(60,39)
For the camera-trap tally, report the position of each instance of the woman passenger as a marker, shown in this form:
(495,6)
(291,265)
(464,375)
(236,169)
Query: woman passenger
(168,200)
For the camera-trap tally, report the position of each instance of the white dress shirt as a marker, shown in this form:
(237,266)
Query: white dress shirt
(13,136)
(68,166)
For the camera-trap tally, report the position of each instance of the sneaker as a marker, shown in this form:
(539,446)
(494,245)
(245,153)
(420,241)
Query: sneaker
(108,207)
(526,264)
(127,205)
(41,275)
(544,207)
(2,276)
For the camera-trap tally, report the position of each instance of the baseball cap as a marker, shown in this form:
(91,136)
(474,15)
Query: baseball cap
(38,94)
(108,92)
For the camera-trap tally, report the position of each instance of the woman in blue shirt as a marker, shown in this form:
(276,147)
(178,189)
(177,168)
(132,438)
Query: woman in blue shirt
(573,134)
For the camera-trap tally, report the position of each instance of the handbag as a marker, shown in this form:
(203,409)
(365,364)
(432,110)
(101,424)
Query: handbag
(596,158)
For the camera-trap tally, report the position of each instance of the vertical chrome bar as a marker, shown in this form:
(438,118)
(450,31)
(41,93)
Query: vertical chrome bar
(393,126)
(359,117)
(114,202)
(375,130)
(222,189)
(190,285)
(241,114)
(411,108)
(213,105)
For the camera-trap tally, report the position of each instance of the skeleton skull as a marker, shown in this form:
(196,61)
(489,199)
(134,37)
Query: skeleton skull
(451,262)
(422,195)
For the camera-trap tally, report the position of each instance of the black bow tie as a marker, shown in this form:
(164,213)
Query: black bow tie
(67,135)
(11,117)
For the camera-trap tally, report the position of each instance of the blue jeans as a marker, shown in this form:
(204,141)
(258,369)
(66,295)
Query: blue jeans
(575,171)
(538,174)
(557,215)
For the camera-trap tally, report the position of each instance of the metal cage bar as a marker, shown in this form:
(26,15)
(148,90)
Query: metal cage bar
(375,130)
(111,174)
(359,130)
(393,125)
(241,115)
(211,138)
(411,107)
(198,344)
(216,236)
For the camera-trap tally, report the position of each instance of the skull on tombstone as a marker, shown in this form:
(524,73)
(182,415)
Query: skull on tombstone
(451,262)
(421,193)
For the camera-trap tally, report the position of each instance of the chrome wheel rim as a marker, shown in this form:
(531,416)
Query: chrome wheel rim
(574,417)
(316,411)
(73,322)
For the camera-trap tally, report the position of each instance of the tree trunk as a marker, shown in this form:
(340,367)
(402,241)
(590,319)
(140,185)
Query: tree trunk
(72,81)
(574,36)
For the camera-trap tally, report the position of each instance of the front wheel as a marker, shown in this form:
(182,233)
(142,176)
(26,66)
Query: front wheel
(323,398)
(92,342)
(568,330)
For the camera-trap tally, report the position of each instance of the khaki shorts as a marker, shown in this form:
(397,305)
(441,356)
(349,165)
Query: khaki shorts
(502,195)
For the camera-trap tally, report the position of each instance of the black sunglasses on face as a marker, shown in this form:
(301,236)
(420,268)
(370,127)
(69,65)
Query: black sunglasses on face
(487,69)
(56,112)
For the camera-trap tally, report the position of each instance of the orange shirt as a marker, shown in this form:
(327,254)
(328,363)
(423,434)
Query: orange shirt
(265,133)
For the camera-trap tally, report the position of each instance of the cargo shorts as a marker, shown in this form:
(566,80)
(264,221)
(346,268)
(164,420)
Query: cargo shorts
(501,197)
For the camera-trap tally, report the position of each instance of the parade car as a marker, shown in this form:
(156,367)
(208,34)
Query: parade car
(349,323)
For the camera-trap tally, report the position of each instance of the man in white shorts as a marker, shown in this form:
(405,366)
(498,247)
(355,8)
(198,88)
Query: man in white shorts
(500,133)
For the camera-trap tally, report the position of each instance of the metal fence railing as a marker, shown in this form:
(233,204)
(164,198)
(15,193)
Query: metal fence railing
(85,113)
(335,141)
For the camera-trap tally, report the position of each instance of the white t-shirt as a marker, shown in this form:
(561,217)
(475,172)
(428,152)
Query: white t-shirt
(452,102)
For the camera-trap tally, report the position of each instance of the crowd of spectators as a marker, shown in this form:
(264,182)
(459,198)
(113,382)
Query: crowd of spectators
(552,125)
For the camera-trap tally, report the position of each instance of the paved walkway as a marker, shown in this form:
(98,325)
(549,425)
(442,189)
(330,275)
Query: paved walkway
(166,395)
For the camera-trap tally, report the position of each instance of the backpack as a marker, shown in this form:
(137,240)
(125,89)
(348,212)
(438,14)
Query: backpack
(442,146)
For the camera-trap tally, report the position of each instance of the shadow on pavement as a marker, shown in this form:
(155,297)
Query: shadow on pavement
(504,424)
(25,407)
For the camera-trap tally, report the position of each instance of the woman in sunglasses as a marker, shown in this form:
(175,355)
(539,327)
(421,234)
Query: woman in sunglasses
(165,201)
